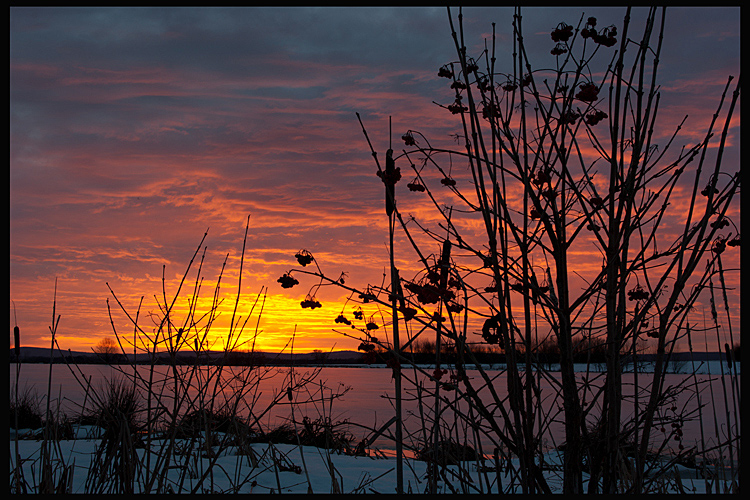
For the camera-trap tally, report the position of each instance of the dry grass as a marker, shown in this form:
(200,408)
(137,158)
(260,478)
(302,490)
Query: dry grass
(173,413)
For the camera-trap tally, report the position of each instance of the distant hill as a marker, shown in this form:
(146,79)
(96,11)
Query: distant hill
(42,355)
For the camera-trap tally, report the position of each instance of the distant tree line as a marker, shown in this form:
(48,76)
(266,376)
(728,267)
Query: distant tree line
(545,352)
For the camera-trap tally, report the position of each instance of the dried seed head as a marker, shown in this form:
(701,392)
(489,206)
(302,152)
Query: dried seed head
(304,257)
(415,186)
(558,50)
(719,246)
(342,319)
(457,107)
(408,139)
(287,281)
(444,72)
(595,117)
(310,302)
(562,33)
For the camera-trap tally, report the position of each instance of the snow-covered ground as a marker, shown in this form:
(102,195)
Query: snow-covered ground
(294,469)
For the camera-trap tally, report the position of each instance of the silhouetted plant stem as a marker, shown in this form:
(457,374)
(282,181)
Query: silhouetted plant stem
(390,205)
(533,194)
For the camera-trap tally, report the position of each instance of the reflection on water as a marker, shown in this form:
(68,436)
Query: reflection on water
(366,396)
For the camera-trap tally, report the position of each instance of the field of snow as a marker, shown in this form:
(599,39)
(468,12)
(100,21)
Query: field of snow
(304,469)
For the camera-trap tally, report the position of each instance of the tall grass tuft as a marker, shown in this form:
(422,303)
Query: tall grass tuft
(25,411)
(116,410)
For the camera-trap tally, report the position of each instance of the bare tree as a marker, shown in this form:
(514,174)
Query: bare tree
(107,349)
(560,162)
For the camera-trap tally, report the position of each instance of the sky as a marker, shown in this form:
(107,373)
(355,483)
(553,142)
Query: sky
(135,131)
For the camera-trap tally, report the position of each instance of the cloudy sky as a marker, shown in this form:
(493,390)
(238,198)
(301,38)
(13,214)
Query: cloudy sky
(134,131)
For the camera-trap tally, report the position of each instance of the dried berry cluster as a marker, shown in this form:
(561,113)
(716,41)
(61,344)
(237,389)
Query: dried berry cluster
(367,296)
(457,107)
(719,245)
(310,302)
(558,49)
(569,117)
(342,319)
(426,294)
(445,72)
(287,281)
(719,223)
(653,333)
(595,117)
(606,37)
(390,178)
(589,92)
(407,312)
(707,190)
(676,426)
(562,33)
(509,86)
(491,111)
(303,257)
(637,293)
(542,176)
(493,330)
(590,29)
(415,185)
(483,84)
(471,66)
(366,347)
